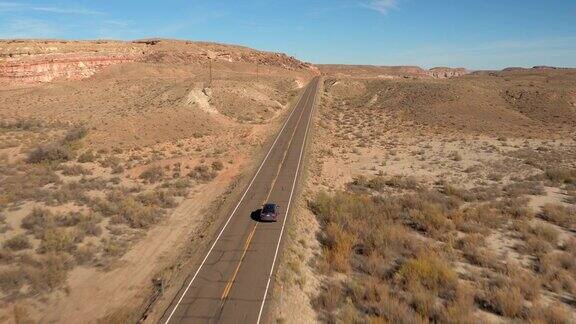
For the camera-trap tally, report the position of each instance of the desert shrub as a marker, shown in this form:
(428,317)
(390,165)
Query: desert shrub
(23,124)
(178,184)
(117,169)
(76,134)
(202,173)
(137,215)
(158,197)
(86,157)
(400,182)
(430,218)
(330,298)
(89,225)
(53,152)
(528,284)
(153,174)
(517,189)
(110,162)
(514,207)
(422,301)
(559,215)
(38,220)
(459,308)
(105,207)
(554,313)
(429,272)
(178,187)
(481,257)
(58,240)
(495,176)
(507,301)
(114,247)
(379,183)
(49,272)
(11,280)
(479,218)
(338,247)
(424,199)
(217,165)
(546,232)
(75,170)
(534,245)
(557,271)
(86,224)
(570,246)
(485,193)
(463,194)
(18,242)
(85,254)
(70,191)
(561,175)
(68,219)
(473,247)
(348,313)
(374,299)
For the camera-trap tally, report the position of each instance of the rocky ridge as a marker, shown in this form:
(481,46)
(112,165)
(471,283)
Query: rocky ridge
(29,61)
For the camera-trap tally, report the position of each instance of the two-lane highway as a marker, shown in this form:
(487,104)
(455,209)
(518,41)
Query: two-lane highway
(233,281)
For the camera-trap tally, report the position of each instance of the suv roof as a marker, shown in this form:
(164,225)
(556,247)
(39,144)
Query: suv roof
(269,207)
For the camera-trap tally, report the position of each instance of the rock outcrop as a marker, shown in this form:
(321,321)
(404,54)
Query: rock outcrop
(45,68)
(388,72)
(28,61)
(446,72)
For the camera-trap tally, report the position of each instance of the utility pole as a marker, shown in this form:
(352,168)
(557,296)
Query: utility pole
(210,83)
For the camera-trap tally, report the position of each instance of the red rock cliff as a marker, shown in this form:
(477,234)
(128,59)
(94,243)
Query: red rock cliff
(45,68)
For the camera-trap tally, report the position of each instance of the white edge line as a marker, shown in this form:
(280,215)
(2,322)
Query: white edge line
(287,212)
(234,211)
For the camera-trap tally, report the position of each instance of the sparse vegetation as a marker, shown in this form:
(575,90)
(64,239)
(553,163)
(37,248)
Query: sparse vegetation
(439,221)
(53,152)
(559,215)
(18,242)
(202,173)
(153,174)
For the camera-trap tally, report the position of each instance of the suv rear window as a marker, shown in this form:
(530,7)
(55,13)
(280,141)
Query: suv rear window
(269,208)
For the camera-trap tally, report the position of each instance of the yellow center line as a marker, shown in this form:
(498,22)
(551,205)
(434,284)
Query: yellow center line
(231,281)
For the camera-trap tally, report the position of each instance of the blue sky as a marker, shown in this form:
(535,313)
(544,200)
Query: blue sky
(477,34)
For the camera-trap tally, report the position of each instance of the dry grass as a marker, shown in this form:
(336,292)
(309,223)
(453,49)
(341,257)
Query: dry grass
(136,214)
(17,243)
(202,173)
(372,237)
(561,175)
(559,215)
(153,174)
(87,156)
(54,152)
(429,272)
(75,170)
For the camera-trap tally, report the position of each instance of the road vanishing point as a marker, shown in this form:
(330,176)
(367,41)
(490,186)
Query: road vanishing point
(232,283)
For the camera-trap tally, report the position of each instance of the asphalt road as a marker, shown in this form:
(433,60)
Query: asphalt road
(233,281)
